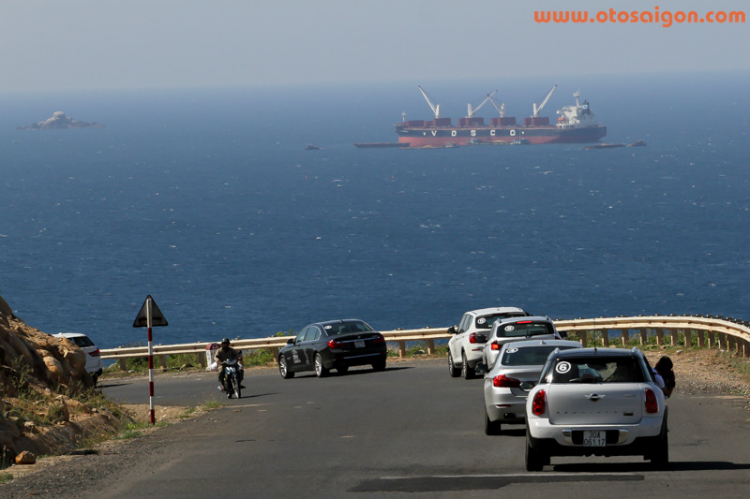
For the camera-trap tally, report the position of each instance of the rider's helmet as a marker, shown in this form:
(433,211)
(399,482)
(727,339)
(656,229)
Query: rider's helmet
(225,341)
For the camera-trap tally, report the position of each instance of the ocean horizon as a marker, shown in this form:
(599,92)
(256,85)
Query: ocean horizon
(207,200)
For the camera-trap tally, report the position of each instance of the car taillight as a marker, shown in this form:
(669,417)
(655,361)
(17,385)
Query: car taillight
(539,404)
(378,339)
(336,344)
(494,346)
(95,353)
(503,381)
(652,404)
(473,338)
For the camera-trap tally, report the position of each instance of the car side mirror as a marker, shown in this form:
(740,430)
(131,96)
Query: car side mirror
(290,341)
(452,330)
(563,334)
(481,368)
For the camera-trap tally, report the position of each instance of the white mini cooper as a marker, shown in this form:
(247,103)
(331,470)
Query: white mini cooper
(601,402)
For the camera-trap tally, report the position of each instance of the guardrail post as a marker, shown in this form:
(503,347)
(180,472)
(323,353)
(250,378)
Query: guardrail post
(730,343)
(674,337)
(163,359)
(745,348)
(688,339)
(605,337)
(659,336)
(402,349)
(711,339)
(701,338)
(202,359)
(625,337)
(275,351)
(583,338)
(123,364)
(644,336)
(721,341)
(431,347)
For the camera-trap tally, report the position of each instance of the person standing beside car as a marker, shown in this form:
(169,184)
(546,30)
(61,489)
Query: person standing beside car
(227,353)
(664,368)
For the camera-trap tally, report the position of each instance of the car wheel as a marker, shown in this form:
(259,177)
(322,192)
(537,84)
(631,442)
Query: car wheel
(379,365)
(342,369)
(466,371)
(491,427)
(320,369)
(660,455)
(454,371)
(284,369)
(535,460)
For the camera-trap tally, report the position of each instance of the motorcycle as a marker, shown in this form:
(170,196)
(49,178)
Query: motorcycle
(231,378)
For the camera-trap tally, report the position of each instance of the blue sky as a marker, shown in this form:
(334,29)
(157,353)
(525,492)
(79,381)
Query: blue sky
(48,45)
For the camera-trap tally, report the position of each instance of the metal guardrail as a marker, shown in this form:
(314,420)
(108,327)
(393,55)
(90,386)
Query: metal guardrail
(274,342)
(730,334)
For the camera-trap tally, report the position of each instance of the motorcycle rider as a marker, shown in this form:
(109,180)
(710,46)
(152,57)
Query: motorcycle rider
(225,353)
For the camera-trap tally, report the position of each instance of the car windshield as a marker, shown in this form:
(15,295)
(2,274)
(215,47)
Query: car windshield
(597,370)
(82,341)
(486,321)
(346,328)
(524,328)
(528,356)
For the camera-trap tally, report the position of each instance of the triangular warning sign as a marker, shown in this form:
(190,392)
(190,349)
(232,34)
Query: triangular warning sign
(157,318)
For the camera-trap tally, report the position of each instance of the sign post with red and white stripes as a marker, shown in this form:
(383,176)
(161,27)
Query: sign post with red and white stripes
(150,316)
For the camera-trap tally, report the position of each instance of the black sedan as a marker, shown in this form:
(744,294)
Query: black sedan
(338,345)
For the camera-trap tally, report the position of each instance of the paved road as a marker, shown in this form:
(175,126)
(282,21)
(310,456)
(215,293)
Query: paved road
(410,429)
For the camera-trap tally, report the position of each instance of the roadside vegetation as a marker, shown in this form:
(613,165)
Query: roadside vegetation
(33,407)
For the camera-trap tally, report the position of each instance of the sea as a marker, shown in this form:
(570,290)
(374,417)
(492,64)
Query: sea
(207,200)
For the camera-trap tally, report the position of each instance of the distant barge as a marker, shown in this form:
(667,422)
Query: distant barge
(637,143)
(379,145)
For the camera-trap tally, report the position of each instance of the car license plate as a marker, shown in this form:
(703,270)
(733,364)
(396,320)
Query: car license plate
(594,439)
(359,344)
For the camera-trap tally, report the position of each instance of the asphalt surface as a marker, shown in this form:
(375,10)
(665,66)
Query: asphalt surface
(408,430)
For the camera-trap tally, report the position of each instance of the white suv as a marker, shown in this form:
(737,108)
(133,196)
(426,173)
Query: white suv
(467,344)
(93,358)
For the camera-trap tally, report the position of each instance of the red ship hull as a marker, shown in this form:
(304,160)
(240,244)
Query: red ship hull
(426,137)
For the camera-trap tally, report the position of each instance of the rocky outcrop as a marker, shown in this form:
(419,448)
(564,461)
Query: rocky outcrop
(48,402)
(59,121)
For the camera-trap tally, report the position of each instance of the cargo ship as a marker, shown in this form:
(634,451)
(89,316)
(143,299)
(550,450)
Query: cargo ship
(575,124)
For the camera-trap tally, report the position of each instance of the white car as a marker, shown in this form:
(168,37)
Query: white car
(93,359)
(517,329)
(517,370)
(466,346)
(601,402)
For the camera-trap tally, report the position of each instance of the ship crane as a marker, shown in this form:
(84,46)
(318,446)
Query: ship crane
(435,107)
(471,110)
(500,109)
(577,95)
(538,110)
